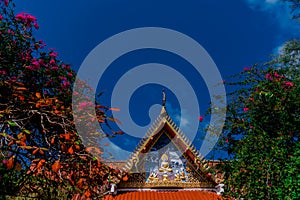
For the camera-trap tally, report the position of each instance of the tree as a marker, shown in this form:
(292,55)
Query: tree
(294,5)
(261,135)
(40,149)
(289,59)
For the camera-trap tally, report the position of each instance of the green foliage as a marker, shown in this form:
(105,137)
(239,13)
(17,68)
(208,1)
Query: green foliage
(40,149)
(261,134)
(288,58)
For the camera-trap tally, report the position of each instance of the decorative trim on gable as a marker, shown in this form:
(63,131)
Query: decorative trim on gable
(179,139)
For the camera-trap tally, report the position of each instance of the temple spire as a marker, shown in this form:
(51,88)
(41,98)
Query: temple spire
(164,100)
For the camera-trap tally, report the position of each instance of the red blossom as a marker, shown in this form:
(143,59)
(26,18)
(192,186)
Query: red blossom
(27,19)
(246,109)
(85,104)
(36,64)
(36,25)
(246,69)
(277,75)
(55,68)
(289,84)
(201,119)
(30,68)
(2,72)
(268,76)
(10,32)
(66,83)
(52,61)
(53,54)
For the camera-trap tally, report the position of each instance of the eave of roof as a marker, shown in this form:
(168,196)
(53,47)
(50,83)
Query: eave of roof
(165,195)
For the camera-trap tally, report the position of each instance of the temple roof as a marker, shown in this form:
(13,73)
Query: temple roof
(165,126)
(166,165)
(165,195)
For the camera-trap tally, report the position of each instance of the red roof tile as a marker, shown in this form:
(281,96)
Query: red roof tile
(166,195)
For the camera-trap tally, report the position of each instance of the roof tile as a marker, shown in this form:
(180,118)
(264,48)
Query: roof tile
(166,195)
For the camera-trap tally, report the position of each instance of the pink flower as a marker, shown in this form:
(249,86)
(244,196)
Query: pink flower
(55,68)
(66,83)
(30,68)
(1,17)
(268,76)
(201,119)
(42,43)
(36,25)
(10,31)
(2,72)
(4,162)
(269,184)
(53,54)
(246,68)
(52,61)
(246,109)
(277,75)
(36,64)
(63,78)
(226,140)
(289,84)
(27,19)
(83,105)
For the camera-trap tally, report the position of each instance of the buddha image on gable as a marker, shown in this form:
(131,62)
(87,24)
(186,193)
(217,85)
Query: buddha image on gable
(169,167)
(165,166)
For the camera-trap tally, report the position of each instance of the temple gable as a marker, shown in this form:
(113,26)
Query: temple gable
(165,158)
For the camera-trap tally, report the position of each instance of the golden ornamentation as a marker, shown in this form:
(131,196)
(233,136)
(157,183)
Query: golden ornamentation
(176,184)
(165,166)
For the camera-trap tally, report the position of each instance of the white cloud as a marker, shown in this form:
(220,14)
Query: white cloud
(278,50)
(271,1)
(179,116)
(278,12)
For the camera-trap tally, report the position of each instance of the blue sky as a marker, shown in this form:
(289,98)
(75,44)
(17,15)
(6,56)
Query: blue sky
(235,33)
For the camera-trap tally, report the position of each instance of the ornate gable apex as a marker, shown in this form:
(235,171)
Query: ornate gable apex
(165,126)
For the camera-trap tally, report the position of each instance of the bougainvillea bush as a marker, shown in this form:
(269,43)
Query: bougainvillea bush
(40,150)
(261,134)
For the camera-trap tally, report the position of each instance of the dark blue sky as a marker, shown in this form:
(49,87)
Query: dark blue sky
(236,33)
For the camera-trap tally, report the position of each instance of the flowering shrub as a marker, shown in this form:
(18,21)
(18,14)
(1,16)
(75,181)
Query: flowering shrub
(261,135)
(40,149)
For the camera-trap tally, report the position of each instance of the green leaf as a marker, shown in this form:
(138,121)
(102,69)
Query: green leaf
(11,123)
